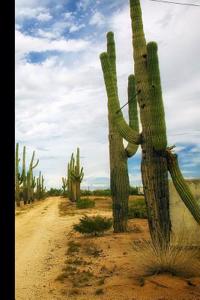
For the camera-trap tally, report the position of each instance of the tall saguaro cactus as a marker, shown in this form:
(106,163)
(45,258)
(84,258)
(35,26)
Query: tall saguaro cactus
(76,174)
(119,179)
(30,183)
(18,178)
(153,139)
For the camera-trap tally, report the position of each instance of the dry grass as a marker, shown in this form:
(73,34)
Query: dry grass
(177,259)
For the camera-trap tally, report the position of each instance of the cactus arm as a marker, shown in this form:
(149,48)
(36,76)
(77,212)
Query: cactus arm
(158,127)
(35,165)
(131,149)
(181,186)
(124,129)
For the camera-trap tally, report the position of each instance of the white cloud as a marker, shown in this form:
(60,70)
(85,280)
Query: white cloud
(61,103)
(26,12)
(97,19)
(26,44)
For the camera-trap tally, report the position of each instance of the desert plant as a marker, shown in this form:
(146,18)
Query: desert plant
(18,177)
(30,181)
(137,209)
(64,186)
(40,188)
(26,178)
(119,179)
(54,192)
(177,258)
(74,177)
(157,158)
(93,225)
(85,203)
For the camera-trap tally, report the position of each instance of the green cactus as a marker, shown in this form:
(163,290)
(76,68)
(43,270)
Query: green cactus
(40,189)
(76,175)
(119,179)
(29,178)
(24,177)
(64,185)
(71,183)
(18,180)
(181,186)
(153,139)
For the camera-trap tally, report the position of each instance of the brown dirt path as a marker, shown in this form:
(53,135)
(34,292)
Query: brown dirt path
(40,243)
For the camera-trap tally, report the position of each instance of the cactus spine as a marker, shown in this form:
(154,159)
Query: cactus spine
(119,179)
(153,140)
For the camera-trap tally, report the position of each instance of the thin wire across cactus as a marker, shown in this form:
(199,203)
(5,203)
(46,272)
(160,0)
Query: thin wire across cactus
(119,179)
(157,159)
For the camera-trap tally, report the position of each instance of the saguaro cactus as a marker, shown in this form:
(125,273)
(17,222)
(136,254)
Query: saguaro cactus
(30,188)
(76,174)
(18,178)
(40,189)
(153,140)
(64,185)
(119,179)
(24,177)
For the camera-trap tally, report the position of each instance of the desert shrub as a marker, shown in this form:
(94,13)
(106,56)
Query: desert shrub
(86,193)
(93,225)
(137,209)
(177,258)
(85,203)
(106,192)
(133,190)
(54,192)
(73,247)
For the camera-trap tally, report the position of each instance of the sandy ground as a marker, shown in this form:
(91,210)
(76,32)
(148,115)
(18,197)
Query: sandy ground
(52,262)
(40,244)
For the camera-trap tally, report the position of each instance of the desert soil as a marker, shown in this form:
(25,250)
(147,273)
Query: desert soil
(53,262)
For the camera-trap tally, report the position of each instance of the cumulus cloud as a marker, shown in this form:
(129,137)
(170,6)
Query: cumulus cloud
(97,19)
(27,43)
(61,102)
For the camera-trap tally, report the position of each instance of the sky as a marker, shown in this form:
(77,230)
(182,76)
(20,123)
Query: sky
(61,102)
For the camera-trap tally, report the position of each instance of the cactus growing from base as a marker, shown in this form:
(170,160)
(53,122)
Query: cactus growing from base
(119,179)
(76,175)
(153,140)
(18,177)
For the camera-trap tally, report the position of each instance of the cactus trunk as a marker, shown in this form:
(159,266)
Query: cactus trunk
(154,163)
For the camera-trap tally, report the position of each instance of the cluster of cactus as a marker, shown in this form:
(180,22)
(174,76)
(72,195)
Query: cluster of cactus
(157,158)
(74,177)
(25,182)
(40,188)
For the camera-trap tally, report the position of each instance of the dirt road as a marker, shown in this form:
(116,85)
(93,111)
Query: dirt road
(39,250)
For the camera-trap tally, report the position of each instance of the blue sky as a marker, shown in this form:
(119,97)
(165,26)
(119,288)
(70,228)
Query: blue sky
(60,95)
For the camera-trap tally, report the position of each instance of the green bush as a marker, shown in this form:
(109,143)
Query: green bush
(133,190)
(106,192)
(54,192)
(85,203)
(93,225)
(137,209)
